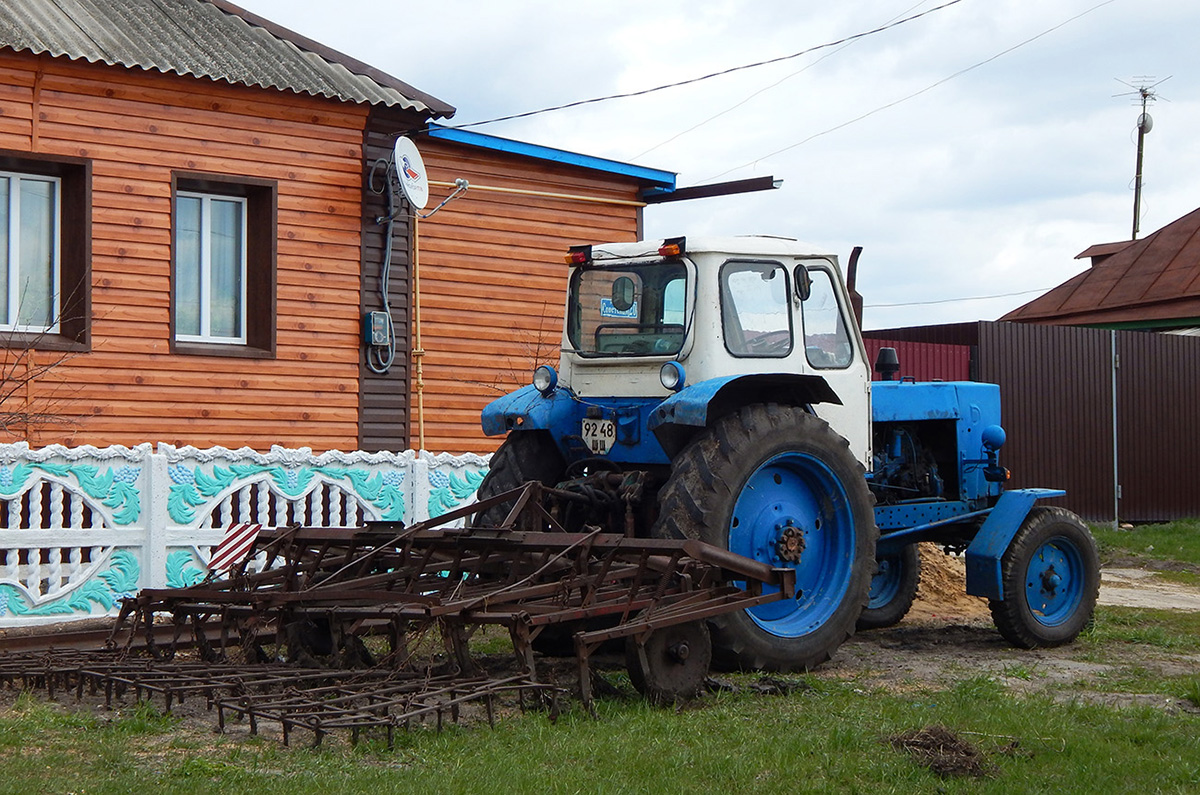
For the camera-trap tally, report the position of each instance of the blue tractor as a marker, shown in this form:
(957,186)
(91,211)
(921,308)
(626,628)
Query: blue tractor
(718,389)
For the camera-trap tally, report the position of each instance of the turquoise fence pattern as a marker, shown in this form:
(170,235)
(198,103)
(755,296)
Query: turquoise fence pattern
(80,528)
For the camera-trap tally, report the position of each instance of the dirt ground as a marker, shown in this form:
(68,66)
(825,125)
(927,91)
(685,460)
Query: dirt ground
(948,636)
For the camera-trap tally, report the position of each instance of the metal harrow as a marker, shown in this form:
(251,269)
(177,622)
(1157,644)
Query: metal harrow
(309,596)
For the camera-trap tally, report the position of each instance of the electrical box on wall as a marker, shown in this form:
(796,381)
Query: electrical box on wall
(377,331)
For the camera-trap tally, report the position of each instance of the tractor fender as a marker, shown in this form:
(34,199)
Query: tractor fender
(526,409)
(986,550)
(676,419)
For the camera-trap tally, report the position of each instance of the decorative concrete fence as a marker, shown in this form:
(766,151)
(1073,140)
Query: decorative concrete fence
(82,527)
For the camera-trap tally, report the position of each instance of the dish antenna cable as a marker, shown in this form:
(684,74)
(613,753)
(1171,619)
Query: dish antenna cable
(405,178)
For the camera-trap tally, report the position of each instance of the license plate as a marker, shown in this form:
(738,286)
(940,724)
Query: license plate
(599,435)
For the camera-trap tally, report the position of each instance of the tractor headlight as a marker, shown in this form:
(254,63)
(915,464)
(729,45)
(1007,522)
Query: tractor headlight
(671,375)
(545,379)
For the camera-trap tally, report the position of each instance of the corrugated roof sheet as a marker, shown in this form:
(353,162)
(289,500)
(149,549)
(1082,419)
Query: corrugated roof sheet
(1156,278)
(202,38)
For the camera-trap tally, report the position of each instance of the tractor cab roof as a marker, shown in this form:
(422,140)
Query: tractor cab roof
(740,246)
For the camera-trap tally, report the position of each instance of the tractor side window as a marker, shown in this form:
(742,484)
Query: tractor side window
(826,340)
(754,309)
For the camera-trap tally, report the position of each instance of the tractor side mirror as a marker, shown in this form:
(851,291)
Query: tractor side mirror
(803,283)
(622,293)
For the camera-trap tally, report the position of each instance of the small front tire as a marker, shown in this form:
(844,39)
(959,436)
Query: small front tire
(1051,579)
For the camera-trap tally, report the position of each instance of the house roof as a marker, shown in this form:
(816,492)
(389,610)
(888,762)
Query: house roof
(653,178)
(1103,249)
(1154,281)
(202,38)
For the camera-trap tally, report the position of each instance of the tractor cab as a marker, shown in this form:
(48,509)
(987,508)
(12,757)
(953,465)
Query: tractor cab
(661,338)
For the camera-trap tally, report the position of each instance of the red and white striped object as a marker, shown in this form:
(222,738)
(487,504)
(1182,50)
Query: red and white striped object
(237,543)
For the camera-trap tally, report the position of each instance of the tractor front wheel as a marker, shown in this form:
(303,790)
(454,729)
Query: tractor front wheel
(777,484)
(893,588)
(524,456)
(1050,574)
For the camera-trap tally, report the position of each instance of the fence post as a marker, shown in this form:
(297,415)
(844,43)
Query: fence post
(420,489)
(158,487)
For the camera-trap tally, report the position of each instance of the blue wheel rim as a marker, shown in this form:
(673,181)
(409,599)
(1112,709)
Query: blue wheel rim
(799,495)
(885,585)
(1054,581)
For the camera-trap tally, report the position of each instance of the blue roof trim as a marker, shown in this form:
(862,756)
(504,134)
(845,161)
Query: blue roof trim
(662,181)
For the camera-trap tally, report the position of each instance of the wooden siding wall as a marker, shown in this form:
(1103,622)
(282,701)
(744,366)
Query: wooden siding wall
(136,127)
(493,278)
(383,401)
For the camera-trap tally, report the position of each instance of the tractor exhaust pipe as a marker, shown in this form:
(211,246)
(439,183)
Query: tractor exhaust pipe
(856,300)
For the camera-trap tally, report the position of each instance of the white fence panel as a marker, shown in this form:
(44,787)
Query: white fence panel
(80,528)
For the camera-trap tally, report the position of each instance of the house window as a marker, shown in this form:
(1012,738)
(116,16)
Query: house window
(223,266)
(29,224)
(210,268)
(45,239)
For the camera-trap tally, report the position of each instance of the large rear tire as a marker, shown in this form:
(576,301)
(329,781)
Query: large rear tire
(776,484)
(524,456)
(1051,578)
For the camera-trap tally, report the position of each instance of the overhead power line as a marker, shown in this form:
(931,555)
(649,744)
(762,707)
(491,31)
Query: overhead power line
(760,91)
(956,300)
(915,94)
(721,73)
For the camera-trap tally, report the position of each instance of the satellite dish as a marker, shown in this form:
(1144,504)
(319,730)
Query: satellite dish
(1145,123)
(410,169)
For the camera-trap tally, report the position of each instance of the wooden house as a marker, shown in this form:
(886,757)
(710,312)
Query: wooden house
(190,233)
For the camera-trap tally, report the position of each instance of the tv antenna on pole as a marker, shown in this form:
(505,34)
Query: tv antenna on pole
(1144,93)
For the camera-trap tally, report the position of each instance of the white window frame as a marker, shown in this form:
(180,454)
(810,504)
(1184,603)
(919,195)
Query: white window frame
(205,334)
(12,271)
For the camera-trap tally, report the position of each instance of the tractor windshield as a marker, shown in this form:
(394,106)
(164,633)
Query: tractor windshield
(632,309)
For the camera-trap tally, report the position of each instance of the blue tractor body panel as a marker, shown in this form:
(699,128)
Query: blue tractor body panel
(562,415)
(951,420)
(954,413)
(984,576)
(934,429)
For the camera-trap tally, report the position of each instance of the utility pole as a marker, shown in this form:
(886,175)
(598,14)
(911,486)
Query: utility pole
(1144,93)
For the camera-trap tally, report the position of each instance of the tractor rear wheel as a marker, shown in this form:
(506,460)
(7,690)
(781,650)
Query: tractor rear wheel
(1051,579)
(893,588)
(777,484)
(524,456)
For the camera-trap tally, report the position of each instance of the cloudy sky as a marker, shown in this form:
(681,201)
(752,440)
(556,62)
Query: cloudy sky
(972,152)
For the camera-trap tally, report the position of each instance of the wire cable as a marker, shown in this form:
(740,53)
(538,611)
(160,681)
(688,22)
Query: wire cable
(762,90)
(702,78)
(913,95)
(956,300)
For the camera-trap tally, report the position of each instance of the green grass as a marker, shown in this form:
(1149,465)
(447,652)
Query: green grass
(1170,630)
(1178,541)
(827,737)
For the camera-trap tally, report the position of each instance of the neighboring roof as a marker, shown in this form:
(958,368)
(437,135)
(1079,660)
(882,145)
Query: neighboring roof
(202,38)
(650,177)
(1103,249)
(1152,281)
